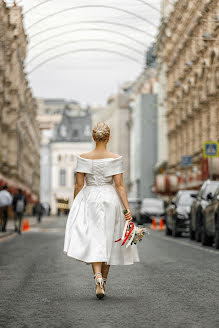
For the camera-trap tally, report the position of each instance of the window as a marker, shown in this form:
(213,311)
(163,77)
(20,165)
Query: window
(62,177)
(74,177)
(87,130)
(75,133)
(63,131)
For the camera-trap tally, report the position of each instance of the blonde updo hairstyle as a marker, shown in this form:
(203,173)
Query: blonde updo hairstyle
(101,132)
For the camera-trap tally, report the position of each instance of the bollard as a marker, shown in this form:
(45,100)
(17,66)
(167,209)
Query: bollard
(161,224)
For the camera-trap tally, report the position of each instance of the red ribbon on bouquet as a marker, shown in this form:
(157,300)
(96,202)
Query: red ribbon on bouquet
(127,234)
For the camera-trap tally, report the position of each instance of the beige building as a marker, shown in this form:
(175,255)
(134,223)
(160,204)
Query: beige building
(116,115)
(188,48)
(19,132)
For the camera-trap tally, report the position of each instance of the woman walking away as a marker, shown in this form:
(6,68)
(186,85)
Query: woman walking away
(96,217)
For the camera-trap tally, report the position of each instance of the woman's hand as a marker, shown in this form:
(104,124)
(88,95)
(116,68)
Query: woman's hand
(128,215)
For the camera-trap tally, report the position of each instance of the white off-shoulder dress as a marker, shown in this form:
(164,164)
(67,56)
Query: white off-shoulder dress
(96,217)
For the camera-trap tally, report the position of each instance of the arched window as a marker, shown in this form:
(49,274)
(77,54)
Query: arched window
(62,177)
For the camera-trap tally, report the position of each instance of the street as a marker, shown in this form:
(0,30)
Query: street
(174,285)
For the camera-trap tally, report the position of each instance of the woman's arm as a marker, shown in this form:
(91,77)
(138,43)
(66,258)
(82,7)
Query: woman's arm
(121,190)
(79,183)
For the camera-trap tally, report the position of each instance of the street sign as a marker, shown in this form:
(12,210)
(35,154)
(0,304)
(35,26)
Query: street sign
(186,161)
(210,149)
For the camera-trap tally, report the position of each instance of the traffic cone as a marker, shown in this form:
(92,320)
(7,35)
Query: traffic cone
(24,225)
(161,224)
(27,224)
(154,224)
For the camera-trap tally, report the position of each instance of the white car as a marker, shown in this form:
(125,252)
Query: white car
(151,207)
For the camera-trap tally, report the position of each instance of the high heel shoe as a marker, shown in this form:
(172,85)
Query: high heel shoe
(104,284)
(99,285)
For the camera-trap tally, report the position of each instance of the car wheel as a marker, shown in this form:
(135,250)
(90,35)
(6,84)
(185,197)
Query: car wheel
(198,228)
(174,231)
(217,233)
(191,232)
(167,231)
(205,239)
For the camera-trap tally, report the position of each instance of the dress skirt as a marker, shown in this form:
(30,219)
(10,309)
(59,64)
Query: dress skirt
(94,222)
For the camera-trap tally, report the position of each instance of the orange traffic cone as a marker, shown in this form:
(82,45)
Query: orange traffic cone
(28,224)
(154,224)
(161,224)
(24,225)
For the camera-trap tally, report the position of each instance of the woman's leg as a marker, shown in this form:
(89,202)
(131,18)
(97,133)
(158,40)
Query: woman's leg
(105,270)
(97,267)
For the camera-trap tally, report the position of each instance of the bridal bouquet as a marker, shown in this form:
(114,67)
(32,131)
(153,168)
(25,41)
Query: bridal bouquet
(132,233)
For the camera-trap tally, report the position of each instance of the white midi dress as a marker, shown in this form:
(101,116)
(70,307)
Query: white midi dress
(96,217)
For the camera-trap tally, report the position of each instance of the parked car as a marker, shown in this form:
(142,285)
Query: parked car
(202,199)
(151,207)
(135,204)
(210,223)
(178,213)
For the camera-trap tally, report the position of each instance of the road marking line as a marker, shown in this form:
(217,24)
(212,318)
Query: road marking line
(7,237)
(189,245)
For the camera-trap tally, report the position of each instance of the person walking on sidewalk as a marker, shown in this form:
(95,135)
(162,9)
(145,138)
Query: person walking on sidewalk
(38,210)
(19,206)
(5,202)
(96,219)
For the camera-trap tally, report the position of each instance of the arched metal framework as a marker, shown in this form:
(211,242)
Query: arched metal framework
(84,40)
(91,6)
(88,30)
(32,36)
(121,54)
(46,1)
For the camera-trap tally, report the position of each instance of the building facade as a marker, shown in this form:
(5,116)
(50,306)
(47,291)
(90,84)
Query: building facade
(71,137)
(143,131)
(19,131)
(188,49)
(116,114)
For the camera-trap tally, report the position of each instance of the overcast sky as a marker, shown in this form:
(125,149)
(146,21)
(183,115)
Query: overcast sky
(86,76)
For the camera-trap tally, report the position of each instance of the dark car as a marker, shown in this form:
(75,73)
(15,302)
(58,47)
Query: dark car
(210,223)
(178,213)
(135,204)
(202,199)
(151,207)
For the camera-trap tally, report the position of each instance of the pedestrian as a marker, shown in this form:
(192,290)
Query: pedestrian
(19,207)
(5,202)
(38,210)
(49,210)
(96,218)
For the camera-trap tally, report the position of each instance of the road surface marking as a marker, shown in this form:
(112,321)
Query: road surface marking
(177,241)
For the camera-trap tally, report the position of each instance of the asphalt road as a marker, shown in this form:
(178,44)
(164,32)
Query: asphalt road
(174,285)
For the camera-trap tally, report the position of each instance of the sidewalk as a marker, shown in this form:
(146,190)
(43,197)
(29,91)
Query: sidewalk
(32,221)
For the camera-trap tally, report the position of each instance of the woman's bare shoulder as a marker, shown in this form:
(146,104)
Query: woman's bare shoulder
(84,155)
(115,155)
(91,155)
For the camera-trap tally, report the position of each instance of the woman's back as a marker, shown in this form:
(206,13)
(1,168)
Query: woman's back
(99,155)
(99,171)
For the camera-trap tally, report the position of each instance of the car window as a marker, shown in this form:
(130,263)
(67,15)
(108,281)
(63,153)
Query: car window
(153,203)
(185,200)
(217,192)
(210,188)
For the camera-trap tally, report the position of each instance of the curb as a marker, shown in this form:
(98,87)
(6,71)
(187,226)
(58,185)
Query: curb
(11,232)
